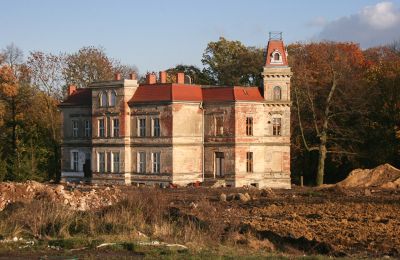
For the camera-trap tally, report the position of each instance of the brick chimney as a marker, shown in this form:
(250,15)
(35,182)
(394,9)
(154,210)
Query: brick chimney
(180,78)
(132,76)
(163,77)
(151,78)
(117,76)
(71,89)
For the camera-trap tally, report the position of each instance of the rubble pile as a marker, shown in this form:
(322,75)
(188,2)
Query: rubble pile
(384,176)
(77,197)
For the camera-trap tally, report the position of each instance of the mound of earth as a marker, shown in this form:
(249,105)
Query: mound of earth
(384,176)
(77,198)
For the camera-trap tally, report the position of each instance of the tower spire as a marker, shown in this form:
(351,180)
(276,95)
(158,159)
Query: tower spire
(276,52)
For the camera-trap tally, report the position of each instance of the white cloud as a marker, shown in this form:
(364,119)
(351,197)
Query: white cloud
(373,25)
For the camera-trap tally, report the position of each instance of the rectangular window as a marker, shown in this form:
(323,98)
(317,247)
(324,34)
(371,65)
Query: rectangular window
(276,126)
(156,162)
(87,128)
(141,162)
(115,162)
(156,127)
(249,126)
(219,129)
(142,127)
(101,128)
(75,128)
(75,161)
(249,162)
(101,164)
(115,127)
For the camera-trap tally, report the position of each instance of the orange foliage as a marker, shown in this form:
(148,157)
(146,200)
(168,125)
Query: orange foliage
(8,82)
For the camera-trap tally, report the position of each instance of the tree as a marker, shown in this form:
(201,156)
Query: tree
(196,75)
(89,64)
(326,83)
(232,63)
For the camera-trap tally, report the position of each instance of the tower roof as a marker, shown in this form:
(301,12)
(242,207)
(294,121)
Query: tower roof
(276,52)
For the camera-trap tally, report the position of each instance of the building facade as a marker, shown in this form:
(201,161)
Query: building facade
(175,133)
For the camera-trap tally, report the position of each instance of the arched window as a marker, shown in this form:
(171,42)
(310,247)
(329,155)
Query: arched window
(103,99)
(276,56)
(277,93)
(113,98)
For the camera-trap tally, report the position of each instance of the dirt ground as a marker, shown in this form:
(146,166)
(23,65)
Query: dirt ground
(332,220)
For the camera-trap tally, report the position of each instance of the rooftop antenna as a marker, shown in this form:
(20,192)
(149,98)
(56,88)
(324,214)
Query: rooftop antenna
(275,35)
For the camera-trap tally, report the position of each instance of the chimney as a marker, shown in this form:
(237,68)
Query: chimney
(163,77)
(71,89)
(132,76)
(117,76)
(151,78)
(180,78)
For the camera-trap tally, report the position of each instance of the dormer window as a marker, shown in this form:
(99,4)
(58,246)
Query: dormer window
(113,98)
(103,99)
(276,57)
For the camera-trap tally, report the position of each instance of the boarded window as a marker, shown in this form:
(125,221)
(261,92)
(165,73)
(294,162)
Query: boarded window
(249,162)
(219,128)
(277,93)
(156,159)
(141,162)
(115,127)
(276,126)
(249,126)
(101,127)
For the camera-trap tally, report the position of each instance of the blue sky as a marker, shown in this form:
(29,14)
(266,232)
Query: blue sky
(156,35)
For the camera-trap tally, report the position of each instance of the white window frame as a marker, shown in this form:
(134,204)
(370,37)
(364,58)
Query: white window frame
(140,163)
(139,127)
(278,133)
(88,128)
(73,162)
(154,128)
(156,162)
(273,61)
(113,162)
(104,161)
(114,127)
(103,128)
(75,128)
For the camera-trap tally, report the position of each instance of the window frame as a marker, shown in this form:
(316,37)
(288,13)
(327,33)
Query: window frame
(101,130)
(75,163)
(115,129)
(141,165)
(113,98)
(102,102)
(140,127)
(156,162)
(88,128)
(155,131)
(249,126)
(101,164)
(249,162)
(115,163)
(277,126)
(75,128)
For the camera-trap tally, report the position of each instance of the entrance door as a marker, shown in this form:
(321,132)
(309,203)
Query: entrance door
(219,164)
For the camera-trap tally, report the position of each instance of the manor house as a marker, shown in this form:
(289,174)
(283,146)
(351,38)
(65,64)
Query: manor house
(179,133)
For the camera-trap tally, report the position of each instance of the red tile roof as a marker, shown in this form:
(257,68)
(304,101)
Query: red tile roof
(177,92)
(278,46)
(80,97)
